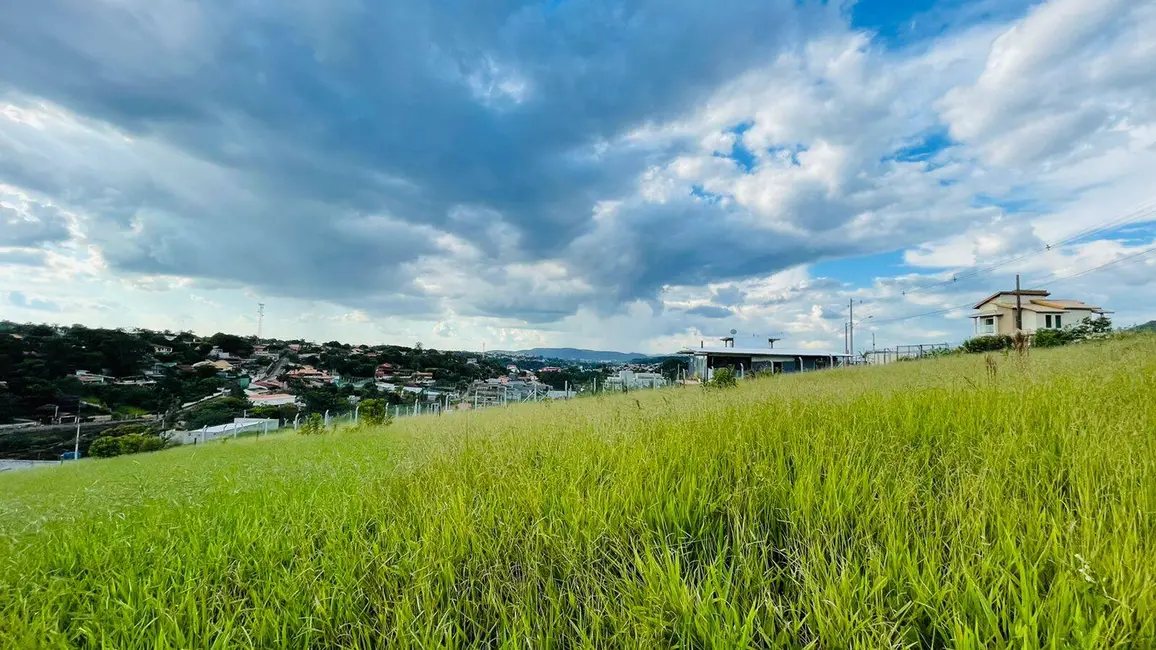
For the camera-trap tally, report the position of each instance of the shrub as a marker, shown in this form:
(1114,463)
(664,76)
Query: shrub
(375,413)
(724,378)
(1052,338)
(152,443)
(993,343)
(313,425)
(104,447)
(131,444)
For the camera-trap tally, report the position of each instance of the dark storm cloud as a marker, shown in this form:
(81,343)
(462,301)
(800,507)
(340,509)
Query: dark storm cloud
(300,122)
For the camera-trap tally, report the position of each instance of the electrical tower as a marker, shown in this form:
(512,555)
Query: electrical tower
(260,319)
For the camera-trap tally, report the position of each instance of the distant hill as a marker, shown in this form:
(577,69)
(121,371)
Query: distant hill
(1150,326)
(575,354)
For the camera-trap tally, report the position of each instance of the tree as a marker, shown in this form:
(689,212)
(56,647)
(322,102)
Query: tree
(673,367)
(217,411)
(325,398)
(233,344)
(375,412)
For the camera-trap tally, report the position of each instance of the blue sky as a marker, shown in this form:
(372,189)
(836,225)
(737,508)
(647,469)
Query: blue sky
(588,173)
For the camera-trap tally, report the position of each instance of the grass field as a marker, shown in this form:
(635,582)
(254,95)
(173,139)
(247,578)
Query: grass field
(973,502)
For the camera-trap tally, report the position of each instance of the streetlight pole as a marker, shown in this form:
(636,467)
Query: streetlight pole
(76,447)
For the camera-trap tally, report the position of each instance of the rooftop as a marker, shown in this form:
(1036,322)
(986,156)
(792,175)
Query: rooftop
(760,352)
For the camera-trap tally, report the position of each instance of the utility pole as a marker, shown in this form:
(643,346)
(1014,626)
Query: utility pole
(872,341)
(1019,310)
(851,328)
(76,448)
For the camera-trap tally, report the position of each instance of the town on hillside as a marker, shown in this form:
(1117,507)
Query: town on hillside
(57,380)
(62,387)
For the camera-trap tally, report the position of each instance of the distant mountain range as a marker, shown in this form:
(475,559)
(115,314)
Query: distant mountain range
(1150,326)
(576,354)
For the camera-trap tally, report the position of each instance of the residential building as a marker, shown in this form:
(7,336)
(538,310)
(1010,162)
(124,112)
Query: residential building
(631,380)
(87,377)
(996,314)
(272,399)
(162,349)
(704,361)
(308,373)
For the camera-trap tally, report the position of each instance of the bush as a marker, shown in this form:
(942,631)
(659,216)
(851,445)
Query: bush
(1052,338)
(152,443)
(375,413)
(994,343)
(313,425)
(131,444)
(724,378)
(104,447)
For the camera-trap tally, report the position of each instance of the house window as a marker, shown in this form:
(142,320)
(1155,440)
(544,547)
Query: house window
(1052,322)
(987,325)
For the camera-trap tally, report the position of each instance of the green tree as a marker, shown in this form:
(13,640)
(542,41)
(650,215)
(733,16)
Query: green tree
(325,398)
(233,344)
(375,412)
(673,367)
(214,412)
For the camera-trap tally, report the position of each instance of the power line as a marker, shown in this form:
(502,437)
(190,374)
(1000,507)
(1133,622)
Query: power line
(1140,214)
(1118,260)
(945,310)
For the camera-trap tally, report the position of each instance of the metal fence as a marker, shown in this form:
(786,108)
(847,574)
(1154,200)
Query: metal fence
(905,352)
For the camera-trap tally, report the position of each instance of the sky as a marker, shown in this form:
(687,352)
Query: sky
(636,175)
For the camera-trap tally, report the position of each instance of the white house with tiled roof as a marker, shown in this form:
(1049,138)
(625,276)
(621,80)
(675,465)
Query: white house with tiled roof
(996,314)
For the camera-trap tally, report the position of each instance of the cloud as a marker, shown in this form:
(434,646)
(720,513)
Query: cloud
(710,311)
(532,169)
(1070,79)
(18,299)
(36,225)
(22,257)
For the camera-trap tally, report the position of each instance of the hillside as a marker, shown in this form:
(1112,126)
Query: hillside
(577,354)
(1150,326)
(983,501)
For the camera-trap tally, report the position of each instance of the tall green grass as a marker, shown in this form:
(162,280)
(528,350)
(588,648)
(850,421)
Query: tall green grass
(955,503)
